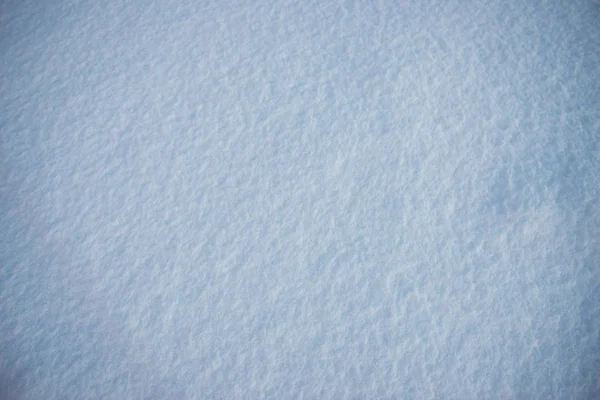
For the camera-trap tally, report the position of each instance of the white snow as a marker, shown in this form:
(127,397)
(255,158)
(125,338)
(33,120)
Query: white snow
(286,199)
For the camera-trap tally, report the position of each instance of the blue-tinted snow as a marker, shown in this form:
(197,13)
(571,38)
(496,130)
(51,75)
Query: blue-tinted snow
(286,199)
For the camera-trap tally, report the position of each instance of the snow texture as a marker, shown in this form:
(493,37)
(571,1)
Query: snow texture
(300,199)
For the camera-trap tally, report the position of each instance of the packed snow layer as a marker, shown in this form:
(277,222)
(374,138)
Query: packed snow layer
(287,199)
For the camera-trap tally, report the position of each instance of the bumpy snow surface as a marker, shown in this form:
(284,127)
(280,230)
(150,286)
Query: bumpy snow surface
(300,199)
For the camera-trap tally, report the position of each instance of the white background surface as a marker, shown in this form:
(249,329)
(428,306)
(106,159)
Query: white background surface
(300,199)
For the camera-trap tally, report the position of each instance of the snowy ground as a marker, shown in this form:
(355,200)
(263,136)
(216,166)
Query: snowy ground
(300,199)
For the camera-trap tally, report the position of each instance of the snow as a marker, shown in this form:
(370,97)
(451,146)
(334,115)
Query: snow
(284,199)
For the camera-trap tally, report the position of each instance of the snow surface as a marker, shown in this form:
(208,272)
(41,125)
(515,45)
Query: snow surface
(300,199)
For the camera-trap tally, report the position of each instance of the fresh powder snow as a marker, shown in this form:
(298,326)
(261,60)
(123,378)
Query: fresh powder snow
(284,199)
